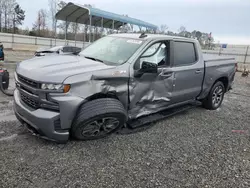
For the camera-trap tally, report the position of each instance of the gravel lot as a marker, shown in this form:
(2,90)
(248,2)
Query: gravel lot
(197,148)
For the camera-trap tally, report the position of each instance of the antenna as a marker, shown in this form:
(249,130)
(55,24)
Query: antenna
(143,35)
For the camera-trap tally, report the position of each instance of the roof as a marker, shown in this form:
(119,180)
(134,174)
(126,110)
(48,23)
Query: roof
(80,14)
(150,36)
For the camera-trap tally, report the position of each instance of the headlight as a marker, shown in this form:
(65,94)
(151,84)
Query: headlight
(57,87)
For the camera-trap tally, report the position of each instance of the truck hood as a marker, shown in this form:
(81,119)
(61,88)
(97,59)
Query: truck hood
(57,68)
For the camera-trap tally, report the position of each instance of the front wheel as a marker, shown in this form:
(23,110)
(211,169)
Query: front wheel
(98,118)
(215,96)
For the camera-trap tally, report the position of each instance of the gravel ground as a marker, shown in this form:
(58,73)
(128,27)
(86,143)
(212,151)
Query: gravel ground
(197,148)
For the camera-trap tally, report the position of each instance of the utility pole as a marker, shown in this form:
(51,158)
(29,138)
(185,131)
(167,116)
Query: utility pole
(246,55)
(14,23)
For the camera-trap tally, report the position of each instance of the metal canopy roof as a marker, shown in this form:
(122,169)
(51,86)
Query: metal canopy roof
(81,14)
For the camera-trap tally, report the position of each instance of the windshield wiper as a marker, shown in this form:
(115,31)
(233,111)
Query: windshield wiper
(92,58)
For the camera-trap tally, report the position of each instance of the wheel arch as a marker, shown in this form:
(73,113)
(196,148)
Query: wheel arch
(112,95)
(224,80)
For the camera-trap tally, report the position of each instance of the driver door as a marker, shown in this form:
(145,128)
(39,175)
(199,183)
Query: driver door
(151,92)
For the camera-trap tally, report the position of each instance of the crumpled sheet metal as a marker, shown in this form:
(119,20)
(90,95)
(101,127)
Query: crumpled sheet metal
(108,81)
(141,96)
(149,95)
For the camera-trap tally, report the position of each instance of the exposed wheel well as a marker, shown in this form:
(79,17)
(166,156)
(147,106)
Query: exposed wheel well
(225,82)
(102,95)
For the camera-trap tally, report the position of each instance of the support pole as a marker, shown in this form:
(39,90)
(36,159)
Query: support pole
(90,27)
(55,31)
(66,30)
(84,37)
(75,32)
(102,27)
(246,55)
(113,26)
(132,27)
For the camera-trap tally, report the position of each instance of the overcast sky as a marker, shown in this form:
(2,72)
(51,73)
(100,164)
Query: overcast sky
(228,20)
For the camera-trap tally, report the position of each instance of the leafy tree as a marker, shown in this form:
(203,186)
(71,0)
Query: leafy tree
(198,35)
(19,15)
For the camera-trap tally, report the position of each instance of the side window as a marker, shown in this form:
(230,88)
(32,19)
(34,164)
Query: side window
(157,53)
(184,53)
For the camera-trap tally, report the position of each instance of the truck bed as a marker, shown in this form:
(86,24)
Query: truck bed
(217,67)
(212,57)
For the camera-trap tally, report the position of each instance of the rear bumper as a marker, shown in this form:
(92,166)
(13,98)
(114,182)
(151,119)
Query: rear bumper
(41,122)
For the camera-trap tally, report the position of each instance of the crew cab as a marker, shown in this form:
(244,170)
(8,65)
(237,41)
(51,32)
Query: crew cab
(116,79)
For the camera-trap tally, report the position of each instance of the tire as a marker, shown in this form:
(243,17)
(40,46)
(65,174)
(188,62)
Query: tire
(215,96)
(98,118)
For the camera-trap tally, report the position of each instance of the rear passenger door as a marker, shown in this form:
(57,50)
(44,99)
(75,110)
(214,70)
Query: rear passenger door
(188,70)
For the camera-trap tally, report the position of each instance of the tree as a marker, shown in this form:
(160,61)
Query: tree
(198,35)
(64,25)
(163,29)
(125,28)
(7,13)
(1,13)
(19,16)
(187,34)
(40,24)
(182,31)
(53,7)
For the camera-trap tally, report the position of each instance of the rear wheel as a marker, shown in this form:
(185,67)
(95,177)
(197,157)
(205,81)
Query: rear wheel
(215,96)
(98,118)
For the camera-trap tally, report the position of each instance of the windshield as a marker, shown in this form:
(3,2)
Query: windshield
(112,50)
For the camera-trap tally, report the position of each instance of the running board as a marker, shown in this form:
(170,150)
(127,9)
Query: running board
(146,122)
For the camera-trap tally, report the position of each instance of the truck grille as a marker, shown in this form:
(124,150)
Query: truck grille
(28,81)
(29,101)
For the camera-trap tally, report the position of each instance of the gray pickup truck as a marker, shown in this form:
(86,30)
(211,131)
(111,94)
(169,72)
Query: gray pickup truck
(118,78)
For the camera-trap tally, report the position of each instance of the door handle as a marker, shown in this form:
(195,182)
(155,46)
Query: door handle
(198,71)
(166,74)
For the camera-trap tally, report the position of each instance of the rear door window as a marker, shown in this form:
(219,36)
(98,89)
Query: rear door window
(184,53)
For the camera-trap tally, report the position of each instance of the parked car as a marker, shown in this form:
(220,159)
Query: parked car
(60,50)
(118,78)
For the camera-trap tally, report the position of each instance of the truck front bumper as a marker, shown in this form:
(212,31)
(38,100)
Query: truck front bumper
(41,122)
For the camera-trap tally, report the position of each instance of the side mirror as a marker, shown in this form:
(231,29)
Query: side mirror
(148,67)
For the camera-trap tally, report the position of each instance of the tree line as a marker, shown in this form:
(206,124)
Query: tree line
(45,25)
(11,16)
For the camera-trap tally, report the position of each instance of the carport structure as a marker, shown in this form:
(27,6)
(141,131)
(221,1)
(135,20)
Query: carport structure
(99,18)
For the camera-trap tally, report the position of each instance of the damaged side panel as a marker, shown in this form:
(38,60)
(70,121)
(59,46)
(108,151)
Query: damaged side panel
(149,94)
(110,81)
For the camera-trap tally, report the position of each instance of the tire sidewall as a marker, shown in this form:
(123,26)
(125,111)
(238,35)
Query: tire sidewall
(81,125)
(211,95)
